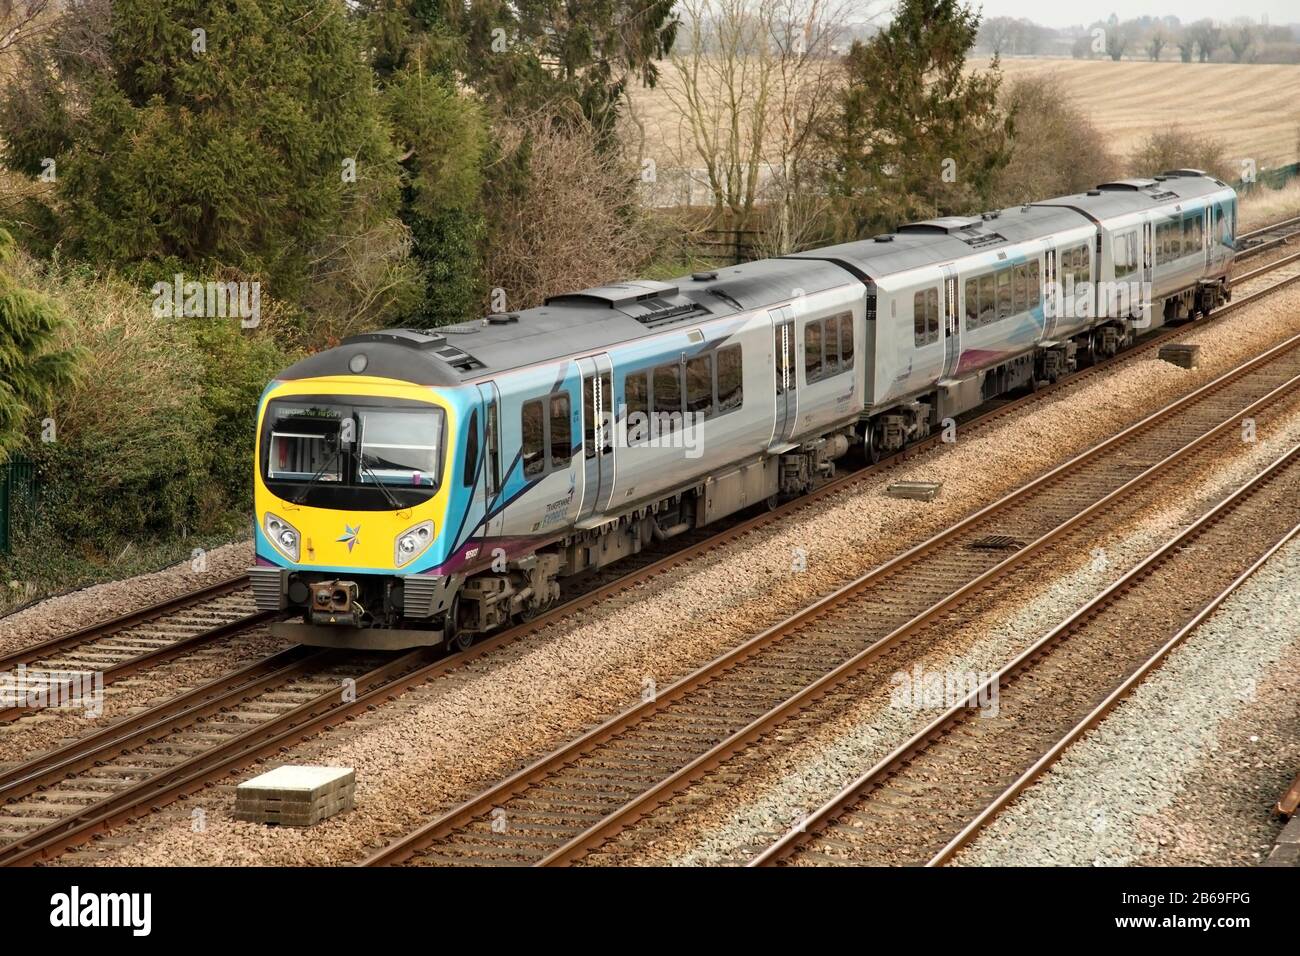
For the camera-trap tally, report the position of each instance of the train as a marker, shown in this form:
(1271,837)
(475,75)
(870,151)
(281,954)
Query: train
(426,487)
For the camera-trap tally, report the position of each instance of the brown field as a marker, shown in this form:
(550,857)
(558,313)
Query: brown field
(1254,109)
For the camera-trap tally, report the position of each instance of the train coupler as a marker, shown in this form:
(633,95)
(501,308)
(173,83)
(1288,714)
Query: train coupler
(335,602)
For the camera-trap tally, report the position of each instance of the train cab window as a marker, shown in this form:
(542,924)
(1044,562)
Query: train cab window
(534,438)
(987,310)
(471,449)
(561,437)
(972,303)
(1020,288)
(699,386)
(814,360)
(1004,293)
(846,340)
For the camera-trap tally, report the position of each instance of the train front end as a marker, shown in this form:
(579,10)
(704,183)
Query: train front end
(351,510)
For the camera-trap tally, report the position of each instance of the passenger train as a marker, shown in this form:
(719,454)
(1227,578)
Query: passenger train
(423,487)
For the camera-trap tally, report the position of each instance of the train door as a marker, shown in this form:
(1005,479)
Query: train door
(490,487)
(1205,238)
(1051,295)
(597,434)
(1142,307)
(787,392)
(951,323)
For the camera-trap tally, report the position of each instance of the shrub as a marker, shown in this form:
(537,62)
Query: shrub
(1177,148)
(1055,148)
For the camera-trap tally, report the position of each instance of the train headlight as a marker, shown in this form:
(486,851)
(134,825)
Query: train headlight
(283,535)
(412,543)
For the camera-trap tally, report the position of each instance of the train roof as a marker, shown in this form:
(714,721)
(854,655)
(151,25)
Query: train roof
(1124,196)
(568,324)
(935,241)
(605,316)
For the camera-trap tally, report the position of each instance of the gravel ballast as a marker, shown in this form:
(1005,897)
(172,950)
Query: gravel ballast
(1187,769)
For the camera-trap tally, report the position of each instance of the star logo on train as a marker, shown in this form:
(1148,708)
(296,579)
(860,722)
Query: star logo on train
(350,535)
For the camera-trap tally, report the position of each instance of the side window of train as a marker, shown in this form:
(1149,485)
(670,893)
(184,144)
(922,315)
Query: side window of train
(1004,293)
(699,386)
(1085,265)
(1020,288)
(561,432)
(988,305)
(846,340)
(1035,285)
(972,303)
(814,360)
(471,449)
(668,394)
(534,438)
(1125,259)
(925,317)
(636,396)
(493,435)
(731,382)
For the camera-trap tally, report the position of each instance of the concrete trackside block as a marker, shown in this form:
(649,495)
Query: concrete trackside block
(916,490)
(296,796)
(1184,356)
(1286,852)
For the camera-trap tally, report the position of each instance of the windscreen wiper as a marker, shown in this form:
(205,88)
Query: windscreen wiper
(302,495)
(367,470)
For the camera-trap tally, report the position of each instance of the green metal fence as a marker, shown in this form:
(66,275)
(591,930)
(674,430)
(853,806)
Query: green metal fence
(1269,179)
(17,498)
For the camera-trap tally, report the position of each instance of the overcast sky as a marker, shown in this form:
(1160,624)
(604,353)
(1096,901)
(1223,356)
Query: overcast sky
(1086,11)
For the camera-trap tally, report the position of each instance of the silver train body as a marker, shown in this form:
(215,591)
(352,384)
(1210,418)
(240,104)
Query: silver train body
(774,371)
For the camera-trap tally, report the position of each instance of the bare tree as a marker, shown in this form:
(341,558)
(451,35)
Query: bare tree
(1157,40)
(752,82)
(1207,38)
(1239,37)
(721,84)
(1118,36)
(21,20)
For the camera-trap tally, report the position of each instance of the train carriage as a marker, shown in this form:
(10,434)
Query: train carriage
(417,487)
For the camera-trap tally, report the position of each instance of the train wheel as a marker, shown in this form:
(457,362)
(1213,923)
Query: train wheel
(871,450)
(456,639)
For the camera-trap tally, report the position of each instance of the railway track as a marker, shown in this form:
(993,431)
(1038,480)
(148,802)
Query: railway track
(1257,241)
(929,798)
(578,798)
(124,645)
(95,811)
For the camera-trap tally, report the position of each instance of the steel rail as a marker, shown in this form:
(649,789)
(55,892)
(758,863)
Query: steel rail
(100,629)
(936,730)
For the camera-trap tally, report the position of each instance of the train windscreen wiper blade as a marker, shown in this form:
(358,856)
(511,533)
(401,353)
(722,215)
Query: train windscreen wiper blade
(302,495)
(367,470)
